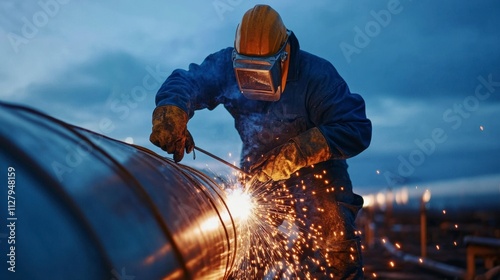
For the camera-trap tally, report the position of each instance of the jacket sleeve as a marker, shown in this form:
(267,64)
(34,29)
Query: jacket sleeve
(199,87)
(339,114)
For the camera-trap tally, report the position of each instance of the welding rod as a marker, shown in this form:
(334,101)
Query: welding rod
(221,160)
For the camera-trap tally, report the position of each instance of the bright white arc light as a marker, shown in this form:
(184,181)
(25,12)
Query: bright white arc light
(240,204)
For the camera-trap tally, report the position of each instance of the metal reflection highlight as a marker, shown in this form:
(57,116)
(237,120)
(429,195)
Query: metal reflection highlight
(98,208)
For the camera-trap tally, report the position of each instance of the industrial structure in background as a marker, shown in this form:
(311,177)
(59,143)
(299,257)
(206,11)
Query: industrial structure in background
(440,230)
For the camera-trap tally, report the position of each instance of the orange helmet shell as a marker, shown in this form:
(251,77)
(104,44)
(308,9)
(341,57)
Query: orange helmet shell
(261,32)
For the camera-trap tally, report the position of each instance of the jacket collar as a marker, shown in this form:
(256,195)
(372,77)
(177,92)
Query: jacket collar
(293,71)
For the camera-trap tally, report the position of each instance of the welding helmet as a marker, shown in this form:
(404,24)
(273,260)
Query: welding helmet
(260,59)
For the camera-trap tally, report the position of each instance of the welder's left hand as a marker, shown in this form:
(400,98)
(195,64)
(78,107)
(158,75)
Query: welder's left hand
(170,132)
(303,150)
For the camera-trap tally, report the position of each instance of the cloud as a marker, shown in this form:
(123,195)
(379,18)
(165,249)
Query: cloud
(98,63)
(86,84)
(421,52)
(112,94)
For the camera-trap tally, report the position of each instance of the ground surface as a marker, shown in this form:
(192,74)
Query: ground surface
(444,244)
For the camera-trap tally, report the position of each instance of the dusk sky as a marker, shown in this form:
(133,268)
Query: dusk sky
(429,72)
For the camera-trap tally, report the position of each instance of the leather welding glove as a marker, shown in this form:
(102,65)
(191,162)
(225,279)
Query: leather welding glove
(303,150)
(170,131)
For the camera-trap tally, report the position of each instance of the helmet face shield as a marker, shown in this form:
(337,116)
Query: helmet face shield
(259,78)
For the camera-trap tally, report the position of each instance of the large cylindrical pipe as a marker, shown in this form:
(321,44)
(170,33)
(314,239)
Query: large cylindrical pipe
(89,207)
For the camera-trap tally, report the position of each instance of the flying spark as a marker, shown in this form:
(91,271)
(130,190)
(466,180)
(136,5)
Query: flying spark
(269,238)
(273,233)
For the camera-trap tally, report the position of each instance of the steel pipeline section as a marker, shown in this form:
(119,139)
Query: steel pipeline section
(91,207)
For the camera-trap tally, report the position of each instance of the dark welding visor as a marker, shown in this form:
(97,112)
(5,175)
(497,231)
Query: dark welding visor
(259,78)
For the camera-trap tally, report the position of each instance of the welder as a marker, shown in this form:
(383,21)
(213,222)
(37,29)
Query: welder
(298,122)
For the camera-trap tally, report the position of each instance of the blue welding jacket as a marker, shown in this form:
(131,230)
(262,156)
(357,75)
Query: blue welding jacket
(315,96)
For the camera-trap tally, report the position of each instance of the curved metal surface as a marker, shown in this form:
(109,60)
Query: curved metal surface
(90,207)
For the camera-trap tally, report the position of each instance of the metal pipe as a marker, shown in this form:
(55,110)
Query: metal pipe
(443,268)
(91,207)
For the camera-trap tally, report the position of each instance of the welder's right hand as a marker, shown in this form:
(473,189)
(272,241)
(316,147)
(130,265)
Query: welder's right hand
(307,148)
(170,131)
